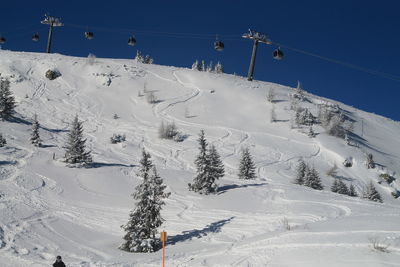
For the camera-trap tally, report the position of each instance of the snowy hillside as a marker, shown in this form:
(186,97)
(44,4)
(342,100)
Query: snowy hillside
(48,209)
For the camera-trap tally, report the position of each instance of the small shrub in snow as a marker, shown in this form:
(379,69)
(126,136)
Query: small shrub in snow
(286,225)
(387,177)
(52,74)
(3,141)
(371,193)
(169,131)
(378,245)
(395,194)
(115,116)
(117,138)
(271,95)
(151,98)
(370,161)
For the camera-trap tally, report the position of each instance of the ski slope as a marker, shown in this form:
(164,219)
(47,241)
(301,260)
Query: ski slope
(48,209)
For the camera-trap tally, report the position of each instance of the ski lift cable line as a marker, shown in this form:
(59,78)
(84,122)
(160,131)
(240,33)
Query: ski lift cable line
(342,63)
(210,35)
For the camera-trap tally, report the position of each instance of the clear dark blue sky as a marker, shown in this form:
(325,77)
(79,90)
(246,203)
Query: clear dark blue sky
(364,33)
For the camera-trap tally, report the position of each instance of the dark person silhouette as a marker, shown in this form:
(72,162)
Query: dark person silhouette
(59,262)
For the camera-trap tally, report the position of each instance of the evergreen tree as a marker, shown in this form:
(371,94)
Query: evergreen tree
(312,179)
(196,65)
(335,186)
(216,169)
(3,141)
(300,172)
(352,191)
(7,101)
(202,163)
(75,148)
(35,138)
(141,229)
(371,193)
(246,166)
(311,132)
(219,68)
(343,189)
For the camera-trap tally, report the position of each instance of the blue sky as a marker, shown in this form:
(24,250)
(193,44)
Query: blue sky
(363,33)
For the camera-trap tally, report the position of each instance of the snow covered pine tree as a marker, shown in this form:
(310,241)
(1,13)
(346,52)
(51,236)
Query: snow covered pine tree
(246,166)
(35,138)
(75,148)
(371,193)
(300,172)
(209,168)
(312,179)
(144,220)
(7,101)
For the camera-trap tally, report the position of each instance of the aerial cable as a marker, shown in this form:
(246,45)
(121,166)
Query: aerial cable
(342,63)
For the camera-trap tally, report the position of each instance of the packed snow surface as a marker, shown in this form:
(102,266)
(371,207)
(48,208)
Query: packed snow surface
(48,209)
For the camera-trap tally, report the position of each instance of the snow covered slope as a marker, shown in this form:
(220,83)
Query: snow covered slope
(48,209)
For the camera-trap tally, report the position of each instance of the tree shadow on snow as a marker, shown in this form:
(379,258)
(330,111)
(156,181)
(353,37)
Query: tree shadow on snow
(105,164)
(225,188)
(214,227)
(7,162)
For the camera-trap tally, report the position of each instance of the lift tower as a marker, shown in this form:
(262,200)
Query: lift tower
(257,37)
(52,22)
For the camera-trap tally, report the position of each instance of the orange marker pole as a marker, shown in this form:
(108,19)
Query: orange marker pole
(163,237)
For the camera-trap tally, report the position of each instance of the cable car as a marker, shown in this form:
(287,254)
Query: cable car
(219,46)
(131,41)
(278,54)
(89,35)
(35,37)
(2,40)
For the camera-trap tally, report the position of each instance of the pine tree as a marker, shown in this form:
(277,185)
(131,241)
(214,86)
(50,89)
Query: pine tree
(216,169)
(75,148)
(202,164)
(209,168)
(35,138)
(312,179)
(300,172)
(343,189)
(246,166)
(196,65)
(144,220)
(311,132)
(7,101)
(3,141)
(219,68)
(335,186)
(371,193)
(352,191)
